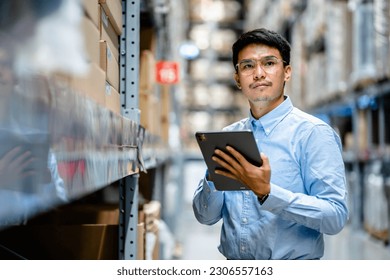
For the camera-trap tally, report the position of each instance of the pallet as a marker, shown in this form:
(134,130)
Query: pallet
(382,235)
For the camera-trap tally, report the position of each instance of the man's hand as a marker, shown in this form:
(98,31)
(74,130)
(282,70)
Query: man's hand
(238,168)
(14,165)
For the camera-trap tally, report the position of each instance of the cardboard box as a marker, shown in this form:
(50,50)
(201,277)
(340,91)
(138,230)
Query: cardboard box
(113,101)
(147,77)
(72,232)
(148,39)
(105,214)
(109,64)
(113,9)
(108,34)
(150,112)
(165,112)
(152,213)
(63,242)
(362,132)
(92,85)
(91,9)
(78,214)
(91,40)
(141,241)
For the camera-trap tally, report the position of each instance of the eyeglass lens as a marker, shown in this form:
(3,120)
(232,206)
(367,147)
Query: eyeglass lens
(268,64)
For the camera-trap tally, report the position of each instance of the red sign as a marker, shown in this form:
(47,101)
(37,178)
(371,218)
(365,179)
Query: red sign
(167,72)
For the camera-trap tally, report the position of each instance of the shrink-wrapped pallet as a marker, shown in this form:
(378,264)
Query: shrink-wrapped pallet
(375,214)
(314,20)
(363,51)
(338,42)
(315,82)
(382,33)
(295,88)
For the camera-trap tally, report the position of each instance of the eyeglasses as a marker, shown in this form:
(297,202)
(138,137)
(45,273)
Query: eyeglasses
(267,63)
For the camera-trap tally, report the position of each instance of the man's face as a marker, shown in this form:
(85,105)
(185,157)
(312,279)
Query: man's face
(262,82)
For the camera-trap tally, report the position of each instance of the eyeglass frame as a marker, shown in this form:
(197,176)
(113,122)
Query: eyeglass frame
(257,60)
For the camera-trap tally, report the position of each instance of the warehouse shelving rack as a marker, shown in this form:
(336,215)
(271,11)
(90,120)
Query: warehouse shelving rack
(100,147)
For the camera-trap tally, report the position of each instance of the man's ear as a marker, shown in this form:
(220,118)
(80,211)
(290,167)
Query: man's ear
(287,73)
(237,79)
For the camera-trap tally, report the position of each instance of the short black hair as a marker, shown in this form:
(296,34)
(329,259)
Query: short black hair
(262,36)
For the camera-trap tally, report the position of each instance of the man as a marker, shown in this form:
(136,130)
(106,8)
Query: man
(299,192)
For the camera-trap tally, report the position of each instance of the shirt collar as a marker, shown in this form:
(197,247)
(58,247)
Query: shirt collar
(270,120)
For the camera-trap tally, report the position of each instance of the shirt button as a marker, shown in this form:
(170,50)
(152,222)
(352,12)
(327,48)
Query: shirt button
(244,220)
(246,192)
(242,248)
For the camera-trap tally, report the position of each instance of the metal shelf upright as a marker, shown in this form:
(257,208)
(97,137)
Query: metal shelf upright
(129,80)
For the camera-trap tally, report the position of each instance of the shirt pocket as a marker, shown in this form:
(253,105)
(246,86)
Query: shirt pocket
(286,173)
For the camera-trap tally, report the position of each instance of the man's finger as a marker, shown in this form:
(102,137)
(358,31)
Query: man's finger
(265,160)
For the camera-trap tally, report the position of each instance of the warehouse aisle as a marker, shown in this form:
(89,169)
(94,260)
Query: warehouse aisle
(199,242)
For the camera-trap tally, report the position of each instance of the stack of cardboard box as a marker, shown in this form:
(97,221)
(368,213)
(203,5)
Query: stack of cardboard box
(71,232)
(148,231)
(110,31)
(148,100)
(101,27)
(154,102)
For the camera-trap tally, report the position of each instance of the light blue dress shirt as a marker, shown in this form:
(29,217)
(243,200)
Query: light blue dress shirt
(308,191)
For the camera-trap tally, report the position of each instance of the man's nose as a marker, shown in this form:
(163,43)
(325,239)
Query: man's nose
(258,71)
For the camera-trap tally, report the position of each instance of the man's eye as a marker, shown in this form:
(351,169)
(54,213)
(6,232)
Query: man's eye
(247,66)
(269,63)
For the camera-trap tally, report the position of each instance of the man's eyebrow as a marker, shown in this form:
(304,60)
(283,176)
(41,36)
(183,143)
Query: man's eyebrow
(270,56)
(267,57)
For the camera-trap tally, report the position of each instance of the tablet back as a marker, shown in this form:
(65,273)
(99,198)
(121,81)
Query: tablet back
(242,141)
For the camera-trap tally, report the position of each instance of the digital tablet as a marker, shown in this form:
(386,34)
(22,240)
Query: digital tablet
(243,141)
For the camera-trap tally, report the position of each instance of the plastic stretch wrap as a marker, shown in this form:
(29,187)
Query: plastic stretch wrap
(56,144)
